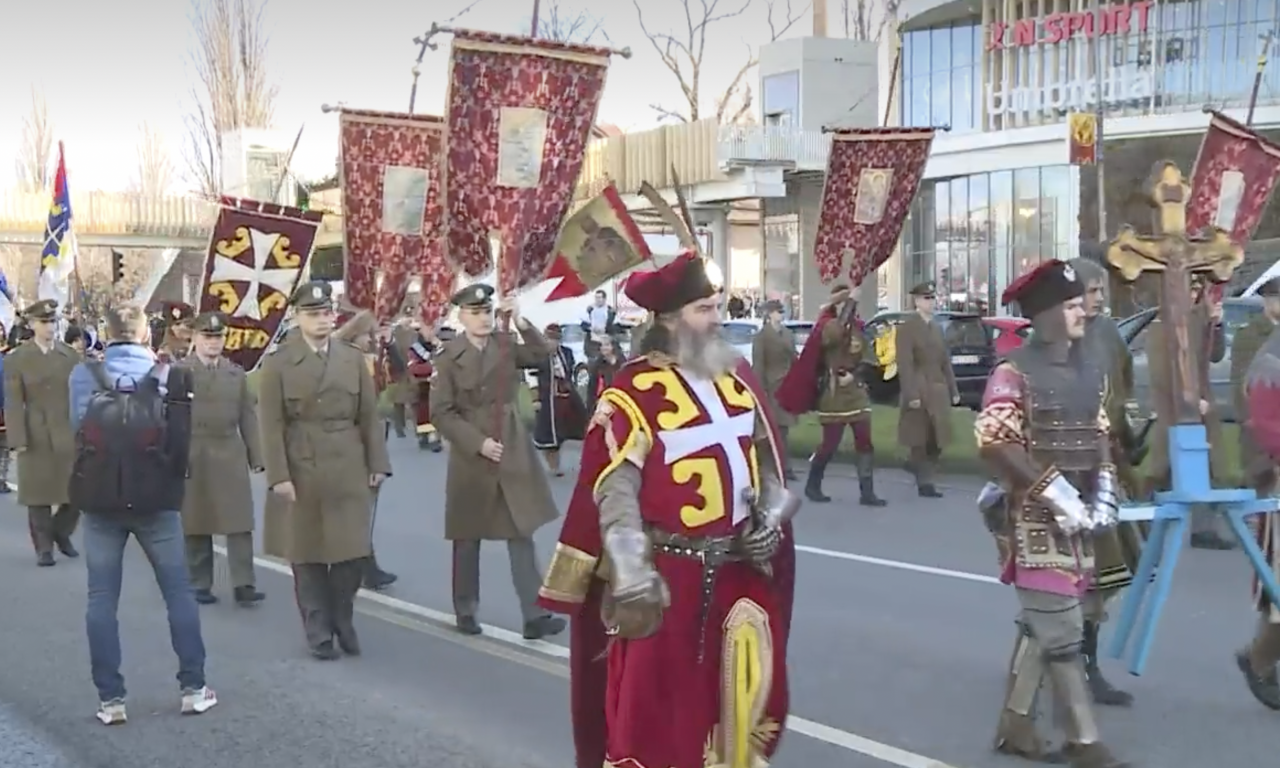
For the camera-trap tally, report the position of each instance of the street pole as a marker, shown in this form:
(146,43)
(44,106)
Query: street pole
(1257,76)
(533,32)
(1100,108)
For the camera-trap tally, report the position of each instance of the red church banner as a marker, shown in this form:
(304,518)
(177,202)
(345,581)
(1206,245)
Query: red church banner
(520,115)
(392,211)
(257,255)
(1234,176)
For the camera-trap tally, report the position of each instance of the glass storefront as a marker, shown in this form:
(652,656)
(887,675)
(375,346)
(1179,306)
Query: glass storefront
(974,234)
(941,77)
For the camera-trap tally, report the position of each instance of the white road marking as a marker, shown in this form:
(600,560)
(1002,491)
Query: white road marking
(898,564)
(851,741)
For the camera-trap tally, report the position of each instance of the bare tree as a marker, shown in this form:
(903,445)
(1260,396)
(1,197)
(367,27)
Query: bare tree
(868,19)
(154,174)
(230,62)
(683,54)
(559,25)
(35,154)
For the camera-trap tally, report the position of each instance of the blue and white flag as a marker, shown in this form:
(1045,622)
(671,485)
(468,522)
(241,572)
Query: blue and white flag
(58,259)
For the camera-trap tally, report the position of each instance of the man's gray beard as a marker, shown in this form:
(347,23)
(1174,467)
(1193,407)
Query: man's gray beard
(706,355)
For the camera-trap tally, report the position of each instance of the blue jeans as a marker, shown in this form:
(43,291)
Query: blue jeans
(160,537)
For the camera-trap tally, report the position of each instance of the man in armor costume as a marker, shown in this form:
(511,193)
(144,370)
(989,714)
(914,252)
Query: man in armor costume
(1117,550)
(829,377)
(1261,420)
(1045,435)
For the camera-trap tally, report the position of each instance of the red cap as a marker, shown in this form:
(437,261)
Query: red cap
(676,285)
(1048,285)
(177,312)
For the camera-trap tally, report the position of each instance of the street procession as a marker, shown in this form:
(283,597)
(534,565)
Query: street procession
(940,497)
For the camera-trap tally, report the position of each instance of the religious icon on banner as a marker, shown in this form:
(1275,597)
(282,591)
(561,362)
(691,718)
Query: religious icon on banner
(1229,197)
(404,199)
(522,134)
(1082,138)
(872,195)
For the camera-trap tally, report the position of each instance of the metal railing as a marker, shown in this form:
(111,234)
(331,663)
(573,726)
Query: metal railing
(741,145)
(112,213)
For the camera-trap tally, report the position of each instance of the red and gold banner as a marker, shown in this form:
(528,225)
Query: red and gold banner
(392,211)
(520,115)
(598,243)
(1234,176)
(873,174)
(257,255)
(1082,138)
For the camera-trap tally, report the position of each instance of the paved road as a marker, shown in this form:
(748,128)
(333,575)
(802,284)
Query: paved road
(899,642)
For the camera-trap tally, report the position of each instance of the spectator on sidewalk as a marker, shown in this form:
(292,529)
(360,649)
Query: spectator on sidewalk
(147,509)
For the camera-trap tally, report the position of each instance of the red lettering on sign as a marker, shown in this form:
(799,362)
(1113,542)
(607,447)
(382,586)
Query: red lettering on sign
(1055,28)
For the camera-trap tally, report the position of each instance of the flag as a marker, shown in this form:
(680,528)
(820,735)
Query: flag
(598,243)
(8,313)
(58,259)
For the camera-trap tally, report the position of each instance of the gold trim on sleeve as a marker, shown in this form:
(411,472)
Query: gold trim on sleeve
(569,575)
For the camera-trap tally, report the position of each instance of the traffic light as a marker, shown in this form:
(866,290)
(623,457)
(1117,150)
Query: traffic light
(117,267)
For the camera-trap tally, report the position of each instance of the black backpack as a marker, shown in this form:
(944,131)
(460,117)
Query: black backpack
(126,458)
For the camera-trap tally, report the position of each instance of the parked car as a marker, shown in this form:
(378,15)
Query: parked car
(1236,312)
(1008,333)
(968,338)
(740,333)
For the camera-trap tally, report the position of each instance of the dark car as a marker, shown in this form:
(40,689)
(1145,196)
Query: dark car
(969,341)
(1236,313)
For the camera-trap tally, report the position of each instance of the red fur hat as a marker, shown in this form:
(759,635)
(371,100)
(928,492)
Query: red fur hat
(1045,287)
(678,284)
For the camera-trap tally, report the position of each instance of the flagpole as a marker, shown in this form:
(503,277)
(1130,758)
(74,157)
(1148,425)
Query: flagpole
(1257,76)
(1099,143)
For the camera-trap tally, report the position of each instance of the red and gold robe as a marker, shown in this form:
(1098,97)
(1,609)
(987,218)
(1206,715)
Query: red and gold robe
(730,714)
(420,370)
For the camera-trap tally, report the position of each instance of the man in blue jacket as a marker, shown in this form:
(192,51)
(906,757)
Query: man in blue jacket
(128,359)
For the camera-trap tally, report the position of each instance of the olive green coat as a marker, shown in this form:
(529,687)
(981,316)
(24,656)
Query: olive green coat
(1199,328)
(1244,348)
(37,415)
(225,445)
(321,431)
(843,350)
(924,375)
(402,389)
(773,350)
(474,397)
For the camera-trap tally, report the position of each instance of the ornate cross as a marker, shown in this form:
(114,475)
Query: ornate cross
(1176,256)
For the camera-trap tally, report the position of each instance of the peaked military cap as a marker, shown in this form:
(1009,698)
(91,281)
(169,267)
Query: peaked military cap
(475,296)
(315,294)
(45,309)
(210,324)
(926,290)
(1270,288)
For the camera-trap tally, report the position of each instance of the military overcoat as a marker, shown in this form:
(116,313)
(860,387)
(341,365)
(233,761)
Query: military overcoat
(472,398)
(225,445)
(38,419)
(320,430)
(773,350)
(924,374)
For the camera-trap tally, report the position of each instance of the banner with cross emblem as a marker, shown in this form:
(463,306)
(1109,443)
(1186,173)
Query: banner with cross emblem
(520,115)
(257,255)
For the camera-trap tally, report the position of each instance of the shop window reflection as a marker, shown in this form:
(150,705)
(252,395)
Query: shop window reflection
(941,70)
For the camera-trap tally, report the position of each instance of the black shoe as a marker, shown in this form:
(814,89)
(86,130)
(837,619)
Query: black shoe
(468,625)
(437,446)
(45,559)
(928,491)
(325,651)
(205,597)
(67,548)
(544,626)
(248,596)
(378,579)
(867,494)
(1210,541)
(813,484)
(1265,688)
(349,641)
(1104,693)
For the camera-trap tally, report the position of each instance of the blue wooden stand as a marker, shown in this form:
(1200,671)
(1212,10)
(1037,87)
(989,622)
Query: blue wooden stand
(1169,516)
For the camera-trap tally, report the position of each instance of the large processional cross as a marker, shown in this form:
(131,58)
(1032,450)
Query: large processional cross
(1177,256)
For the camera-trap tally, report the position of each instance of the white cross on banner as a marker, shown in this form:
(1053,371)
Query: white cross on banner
(230,270)
(723,430)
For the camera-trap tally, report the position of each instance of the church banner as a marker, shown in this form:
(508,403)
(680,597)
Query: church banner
(873,174)
(1234,175)
(393,211)
(257,255)
(599,242)
(520,115)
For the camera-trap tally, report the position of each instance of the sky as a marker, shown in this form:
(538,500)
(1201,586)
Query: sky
(105,67)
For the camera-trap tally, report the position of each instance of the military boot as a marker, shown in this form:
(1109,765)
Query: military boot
(813,485)
(866,482)
(1103,692)
(1264,687)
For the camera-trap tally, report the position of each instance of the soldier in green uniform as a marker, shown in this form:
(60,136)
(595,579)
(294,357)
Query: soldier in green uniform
(325,453)
(36,391)
(927,387)
(1258,467)
(225,448)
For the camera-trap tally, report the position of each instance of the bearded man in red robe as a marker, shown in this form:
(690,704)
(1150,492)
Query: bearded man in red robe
(677,535)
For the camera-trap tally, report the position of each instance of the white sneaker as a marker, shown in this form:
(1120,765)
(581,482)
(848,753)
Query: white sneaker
(197,701)
(112,712)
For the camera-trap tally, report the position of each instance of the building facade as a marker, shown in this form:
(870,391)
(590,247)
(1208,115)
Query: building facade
(1002,75)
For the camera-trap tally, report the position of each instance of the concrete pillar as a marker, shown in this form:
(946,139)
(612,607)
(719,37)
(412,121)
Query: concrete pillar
(717,221)
(813,294)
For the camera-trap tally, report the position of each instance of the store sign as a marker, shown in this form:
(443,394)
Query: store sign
(1118,19)
(1120,86)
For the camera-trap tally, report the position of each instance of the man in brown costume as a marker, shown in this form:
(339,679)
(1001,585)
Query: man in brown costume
(773,352)
(1056,487)
(37,373)
(225,448)
(927,386)
(325,453)
(496,489)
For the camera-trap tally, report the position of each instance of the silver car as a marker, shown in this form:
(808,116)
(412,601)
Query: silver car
(740,333)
